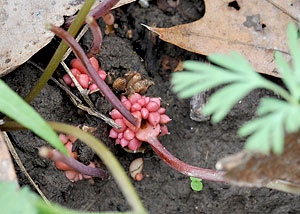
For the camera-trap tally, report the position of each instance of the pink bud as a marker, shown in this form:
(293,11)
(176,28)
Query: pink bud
(163,130)
(134,144)
(133,98)
(141,102)
(155,99)
(75,72)
(121,123)
(147,100)
(113,134)
(136,107)
(148,132)
(120,135)
(63,138)
(94,62)
(152,106)
(93,87)
(129,134)
(124,142)
(102,74)
(154,118)
(145,113)
(83,80)
(118,141)
(115,114)
(127,104)
(80,177)
(123,99)
(71,174)
(161,110)
(72,84)
(67,79)
(164,119)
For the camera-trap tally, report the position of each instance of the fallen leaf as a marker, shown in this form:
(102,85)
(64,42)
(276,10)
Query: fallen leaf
(22,27)
(257,170)
(253,28)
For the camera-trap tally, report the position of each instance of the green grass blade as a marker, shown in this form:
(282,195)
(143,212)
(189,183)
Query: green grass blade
(16,108)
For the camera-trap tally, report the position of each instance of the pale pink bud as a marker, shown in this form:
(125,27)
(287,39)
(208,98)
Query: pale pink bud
(93,87)
(124,142)
(154,118)
(128,134)
(118,141)
(71,174)
(161,110)
(102,74)
(115,114)
(147,100)
(152,106)
(136,107)
(72,84)
(75,72)
(80,177)
(164,119)
(141,101)
(127,104)
(123,99)
(163,130)
(134,144)
(120,135)
(83,80)
(121,123)
(113,134)
(155,99)
(63,138)
(67,79)
(138,116)
(145,113)
(147,132)
(133,98)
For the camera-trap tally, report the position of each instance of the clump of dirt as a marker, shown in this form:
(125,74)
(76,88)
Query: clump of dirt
(163,190)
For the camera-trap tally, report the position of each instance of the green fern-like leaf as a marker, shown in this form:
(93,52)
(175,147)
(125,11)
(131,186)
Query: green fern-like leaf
(237,77)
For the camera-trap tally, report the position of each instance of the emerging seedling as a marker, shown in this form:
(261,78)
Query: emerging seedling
(196,184)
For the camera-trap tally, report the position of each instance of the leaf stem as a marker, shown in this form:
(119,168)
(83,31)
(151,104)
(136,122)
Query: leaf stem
(99,11)
(112,98)
(55,155)
(278,89)
(59,53)
(180,166)
(97,37)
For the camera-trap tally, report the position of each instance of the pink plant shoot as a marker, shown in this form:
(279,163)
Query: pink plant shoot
(145,110)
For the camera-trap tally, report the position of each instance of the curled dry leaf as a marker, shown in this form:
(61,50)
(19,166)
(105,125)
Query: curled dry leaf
(257,170)
(23,31)
(254,28)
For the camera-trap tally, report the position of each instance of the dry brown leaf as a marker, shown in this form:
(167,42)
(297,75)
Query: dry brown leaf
(253,28)
(22,27)
(257,170)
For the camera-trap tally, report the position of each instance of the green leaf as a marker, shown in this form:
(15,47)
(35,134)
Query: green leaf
(196,184)
(13,200)
(267,131)
(16,108)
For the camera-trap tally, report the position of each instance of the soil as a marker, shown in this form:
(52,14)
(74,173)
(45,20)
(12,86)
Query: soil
(163,190)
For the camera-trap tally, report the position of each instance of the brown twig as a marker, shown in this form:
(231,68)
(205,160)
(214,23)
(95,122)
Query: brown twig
(97,12)
(97,37)
(92,72)
(55,155)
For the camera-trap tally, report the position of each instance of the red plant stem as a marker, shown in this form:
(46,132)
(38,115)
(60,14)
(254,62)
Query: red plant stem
(97,12)
(97,37)
(186,169)
(55,155)
(92,72)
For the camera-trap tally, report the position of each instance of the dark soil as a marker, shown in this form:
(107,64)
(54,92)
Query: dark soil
(163,190)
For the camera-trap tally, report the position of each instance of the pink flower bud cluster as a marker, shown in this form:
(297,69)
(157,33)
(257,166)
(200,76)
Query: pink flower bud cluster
(144,109)
(82,77)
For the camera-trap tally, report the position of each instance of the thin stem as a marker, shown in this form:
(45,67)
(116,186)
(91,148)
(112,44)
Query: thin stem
(59,53)
(97,12)
(55,155)
(103,152)
(97,37)
(92,72)
(180,166)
